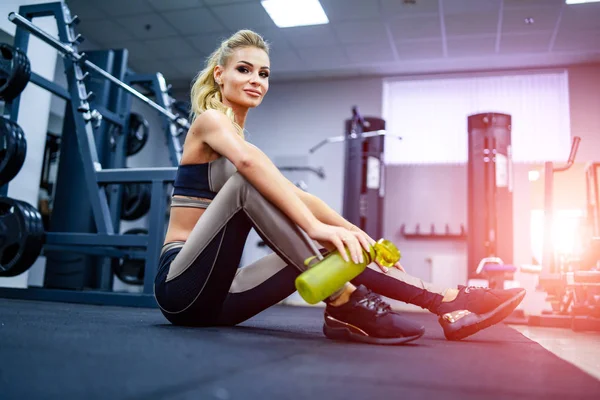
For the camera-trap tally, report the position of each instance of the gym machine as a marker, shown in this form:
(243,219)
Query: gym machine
(572,285)
(490,208)
(364,171)
(88,146)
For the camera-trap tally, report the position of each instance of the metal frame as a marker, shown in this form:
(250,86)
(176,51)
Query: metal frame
(593,197)
(106,241)
(549,170)
(157,84)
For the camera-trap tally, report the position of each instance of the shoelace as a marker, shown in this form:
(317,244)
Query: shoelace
(469,288)
(372,301)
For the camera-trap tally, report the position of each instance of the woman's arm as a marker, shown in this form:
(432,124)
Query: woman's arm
(327,215)
(217,131)
(321,210)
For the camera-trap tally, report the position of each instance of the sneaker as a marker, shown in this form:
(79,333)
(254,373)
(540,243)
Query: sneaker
(477,308)
(367,318)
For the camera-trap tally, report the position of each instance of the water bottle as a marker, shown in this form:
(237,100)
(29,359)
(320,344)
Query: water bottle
(330,274)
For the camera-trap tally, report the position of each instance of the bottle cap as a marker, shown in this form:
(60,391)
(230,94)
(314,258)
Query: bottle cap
(387,253)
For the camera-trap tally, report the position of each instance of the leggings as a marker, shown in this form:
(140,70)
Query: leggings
(198,282)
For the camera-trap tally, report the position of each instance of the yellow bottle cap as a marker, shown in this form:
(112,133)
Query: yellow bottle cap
(386,253)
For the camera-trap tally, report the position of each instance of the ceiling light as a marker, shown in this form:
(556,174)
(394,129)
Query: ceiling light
(286,13)
(581,1)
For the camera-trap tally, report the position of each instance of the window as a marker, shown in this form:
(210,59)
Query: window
(431,116)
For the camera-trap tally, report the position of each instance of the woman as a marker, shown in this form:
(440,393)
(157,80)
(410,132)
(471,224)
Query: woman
(225,186)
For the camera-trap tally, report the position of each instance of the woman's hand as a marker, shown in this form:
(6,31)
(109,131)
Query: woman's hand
(362,234)
(340,237)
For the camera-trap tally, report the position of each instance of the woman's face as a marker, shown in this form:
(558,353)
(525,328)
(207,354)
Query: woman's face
(244,81)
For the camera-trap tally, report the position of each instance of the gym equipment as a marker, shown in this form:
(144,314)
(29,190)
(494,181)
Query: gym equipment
(548,258)
(136,201)
(78,58)
(21,236)
(13,148)
(131,270)
(137,135)
(572,284)
(83,234)
(593,197)
(15,72)
(182,107)
(433,234)
(490,186)
(364,171)
(156,85)
(320,172)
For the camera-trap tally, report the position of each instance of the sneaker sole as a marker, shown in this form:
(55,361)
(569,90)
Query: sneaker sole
(346,335)
(472,323)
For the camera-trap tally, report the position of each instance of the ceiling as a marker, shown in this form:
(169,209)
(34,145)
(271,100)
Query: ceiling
(364,37)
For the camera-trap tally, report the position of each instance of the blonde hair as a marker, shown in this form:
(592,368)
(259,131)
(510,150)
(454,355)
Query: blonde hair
(205,93)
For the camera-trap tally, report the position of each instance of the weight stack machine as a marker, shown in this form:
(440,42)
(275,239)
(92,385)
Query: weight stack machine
(364,174)
(490,190)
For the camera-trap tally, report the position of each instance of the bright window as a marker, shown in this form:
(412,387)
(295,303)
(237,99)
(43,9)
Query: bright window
(431,116)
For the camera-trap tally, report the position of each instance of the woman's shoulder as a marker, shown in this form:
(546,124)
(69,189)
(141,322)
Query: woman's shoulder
(211,119)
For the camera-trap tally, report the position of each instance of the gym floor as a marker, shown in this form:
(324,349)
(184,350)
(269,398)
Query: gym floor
(71,351)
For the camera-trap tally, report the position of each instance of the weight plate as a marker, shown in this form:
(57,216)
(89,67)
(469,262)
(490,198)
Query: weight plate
(135,201)
(21,236)
(13,149)
(15,71)
(131,271)
(139,129)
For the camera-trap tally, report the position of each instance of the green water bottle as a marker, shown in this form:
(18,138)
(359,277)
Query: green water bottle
(330,274)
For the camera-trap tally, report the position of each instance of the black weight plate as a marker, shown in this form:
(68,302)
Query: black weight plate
(8,144)
(21,239)
(37,223)
(139,129)
(15,71)
(13,149)
(135,202)
(131,271)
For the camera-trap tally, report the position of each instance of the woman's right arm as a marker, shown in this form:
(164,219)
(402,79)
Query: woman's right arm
(217,131)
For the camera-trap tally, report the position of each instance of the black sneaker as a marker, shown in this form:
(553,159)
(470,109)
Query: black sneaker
(477,308)
(367,318)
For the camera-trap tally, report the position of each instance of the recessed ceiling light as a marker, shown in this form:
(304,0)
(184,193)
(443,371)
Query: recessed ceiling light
(529,20)
(287,13)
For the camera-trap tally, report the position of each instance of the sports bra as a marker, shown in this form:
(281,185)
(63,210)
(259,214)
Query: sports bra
(200,180)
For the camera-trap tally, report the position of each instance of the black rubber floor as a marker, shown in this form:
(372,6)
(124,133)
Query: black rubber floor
(68,351)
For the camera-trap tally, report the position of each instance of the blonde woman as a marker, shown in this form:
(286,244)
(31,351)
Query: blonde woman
(225,186)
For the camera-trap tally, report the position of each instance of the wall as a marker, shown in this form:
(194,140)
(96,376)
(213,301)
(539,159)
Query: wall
(584,87)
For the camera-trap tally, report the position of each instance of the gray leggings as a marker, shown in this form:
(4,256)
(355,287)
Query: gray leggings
(192,286)
(198,282)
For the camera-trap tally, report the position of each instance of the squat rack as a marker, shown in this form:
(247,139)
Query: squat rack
(106,242)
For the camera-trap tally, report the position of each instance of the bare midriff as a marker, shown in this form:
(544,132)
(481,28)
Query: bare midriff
(182,220)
